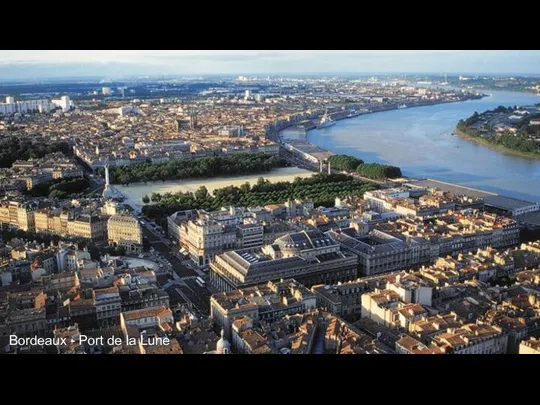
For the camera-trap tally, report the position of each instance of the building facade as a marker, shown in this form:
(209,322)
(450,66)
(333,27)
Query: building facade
(310,257)
(126,231)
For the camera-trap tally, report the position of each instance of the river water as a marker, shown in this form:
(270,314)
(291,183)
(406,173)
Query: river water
(417,140)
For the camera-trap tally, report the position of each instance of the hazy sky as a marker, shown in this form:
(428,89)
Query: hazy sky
(40,63)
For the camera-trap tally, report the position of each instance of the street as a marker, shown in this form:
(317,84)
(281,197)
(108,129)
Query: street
(165,252)
(198,296)
(185,288)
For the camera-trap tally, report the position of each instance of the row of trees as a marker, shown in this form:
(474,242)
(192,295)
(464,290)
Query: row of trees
(344,162)
(203,167)
(13,149)
(369,170)
(60,188)
(378,171)
(321,188)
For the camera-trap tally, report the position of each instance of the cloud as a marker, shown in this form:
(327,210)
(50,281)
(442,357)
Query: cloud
(101,62)
(157,55)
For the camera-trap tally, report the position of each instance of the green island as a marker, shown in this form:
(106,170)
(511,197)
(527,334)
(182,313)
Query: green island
(510,130)
(321,188)
(197,168)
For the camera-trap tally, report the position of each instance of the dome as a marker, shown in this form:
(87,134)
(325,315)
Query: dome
(223,346)
(296,242)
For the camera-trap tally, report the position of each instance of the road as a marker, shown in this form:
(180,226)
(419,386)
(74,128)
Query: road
(185,288)
(197,295)
(164,251)
(175,297)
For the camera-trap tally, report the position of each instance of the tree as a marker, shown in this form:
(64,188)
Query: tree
(94,252)
(378,171)
(145,199)
(116,250)
(204,167)
(201,193)
(13,149)
(245,187)
(344,162)
(57,194)
(321,188)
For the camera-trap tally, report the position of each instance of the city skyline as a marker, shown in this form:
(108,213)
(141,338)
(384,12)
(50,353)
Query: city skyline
(267,213)
(32,64)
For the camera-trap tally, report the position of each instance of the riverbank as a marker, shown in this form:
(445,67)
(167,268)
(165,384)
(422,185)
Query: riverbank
(499,148)
(346,115)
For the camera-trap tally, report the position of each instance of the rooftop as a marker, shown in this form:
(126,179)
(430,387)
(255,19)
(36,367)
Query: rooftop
(145,313)
(269,296)
(507,203)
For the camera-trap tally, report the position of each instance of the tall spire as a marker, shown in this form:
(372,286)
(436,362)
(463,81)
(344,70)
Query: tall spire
(108,192)
(106,175)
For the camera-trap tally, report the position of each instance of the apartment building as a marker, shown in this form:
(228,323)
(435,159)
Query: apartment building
(379,252)
(154,317)
(204,238)
(28,217)
(249,235)
(20,215)
(108,305)
(386,308)
(175,221)
(382,200)
(411,289)
(87,226)
(126,231)
(262,303)
(409,242)
(472,339)
(342,299)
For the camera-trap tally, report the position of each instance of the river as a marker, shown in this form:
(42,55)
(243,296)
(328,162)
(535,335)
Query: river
(417,140)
